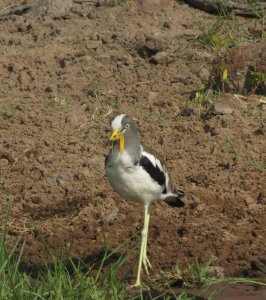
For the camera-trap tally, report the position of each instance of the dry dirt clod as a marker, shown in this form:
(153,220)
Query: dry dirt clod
(222,108)
(160,58)
(54,8)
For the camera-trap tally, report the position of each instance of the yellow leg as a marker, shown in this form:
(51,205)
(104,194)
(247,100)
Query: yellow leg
(143,259)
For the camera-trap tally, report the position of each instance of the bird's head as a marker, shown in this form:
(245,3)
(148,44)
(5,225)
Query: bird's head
(123,127)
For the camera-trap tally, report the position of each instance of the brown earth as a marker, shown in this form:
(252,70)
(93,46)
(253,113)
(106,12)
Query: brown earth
(62,79)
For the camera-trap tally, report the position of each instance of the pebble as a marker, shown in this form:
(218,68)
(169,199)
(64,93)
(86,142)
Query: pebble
(204,74)
(160,58)
(182,76)
(222,108)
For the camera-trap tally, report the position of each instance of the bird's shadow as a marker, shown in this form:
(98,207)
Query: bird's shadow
(98,260)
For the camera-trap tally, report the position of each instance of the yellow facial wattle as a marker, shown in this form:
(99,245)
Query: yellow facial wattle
(122,142)
(118,135)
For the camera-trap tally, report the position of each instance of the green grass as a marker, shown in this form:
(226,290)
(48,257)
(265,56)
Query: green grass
(199,278)
(93,90)
(73,279)
(61,279)
(201,100)
(227,31)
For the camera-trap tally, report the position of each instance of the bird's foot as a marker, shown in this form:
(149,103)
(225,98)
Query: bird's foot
(146,264)
(137,286)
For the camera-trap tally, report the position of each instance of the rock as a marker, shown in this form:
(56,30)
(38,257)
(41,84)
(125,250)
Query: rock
(222,108)
(204,74)
(75,119)
(156,43)
(54,8)
(160,58)
(182,76)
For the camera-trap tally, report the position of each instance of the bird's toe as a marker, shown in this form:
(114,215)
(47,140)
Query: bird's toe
(146,264)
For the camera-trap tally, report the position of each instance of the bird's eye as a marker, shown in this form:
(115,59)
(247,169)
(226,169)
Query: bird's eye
(126,126)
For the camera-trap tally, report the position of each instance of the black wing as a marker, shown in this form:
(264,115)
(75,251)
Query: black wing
(154,171)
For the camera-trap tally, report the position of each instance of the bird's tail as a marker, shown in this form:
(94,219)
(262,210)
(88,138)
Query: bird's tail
(176,200)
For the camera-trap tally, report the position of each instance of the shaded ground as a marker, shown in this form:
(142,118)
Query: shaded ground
(60,82)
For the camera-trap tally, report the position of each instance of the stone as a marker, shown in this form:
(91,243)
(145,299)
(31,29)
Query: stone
(182,76)
(156,43)
(204,74)
(160,58)
(54,8)
(222,108)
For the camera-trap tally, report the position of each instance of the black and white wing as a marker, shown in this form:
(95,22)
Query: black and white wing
(154,168)
(157,170)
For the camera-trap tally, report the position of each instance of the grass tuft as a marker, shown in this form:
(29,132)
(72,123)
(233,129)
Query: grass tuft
(63,279)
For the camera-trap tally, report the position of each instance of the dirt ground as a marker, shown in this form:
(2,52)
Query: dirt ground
(62,79)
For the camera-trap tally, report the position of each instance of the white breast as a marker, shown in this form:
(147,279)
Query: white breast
(132,181)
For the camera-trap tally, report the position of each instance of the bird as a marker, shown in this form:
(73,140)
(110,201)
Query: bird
(139,174)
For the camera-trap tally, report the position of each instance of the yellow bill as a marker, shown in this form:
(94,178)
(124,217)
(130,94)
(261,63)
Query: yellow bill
(118,135)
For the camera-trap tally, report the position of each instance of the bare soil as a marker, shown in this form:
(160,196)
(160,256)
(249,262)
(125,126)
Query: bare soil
(62,79)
